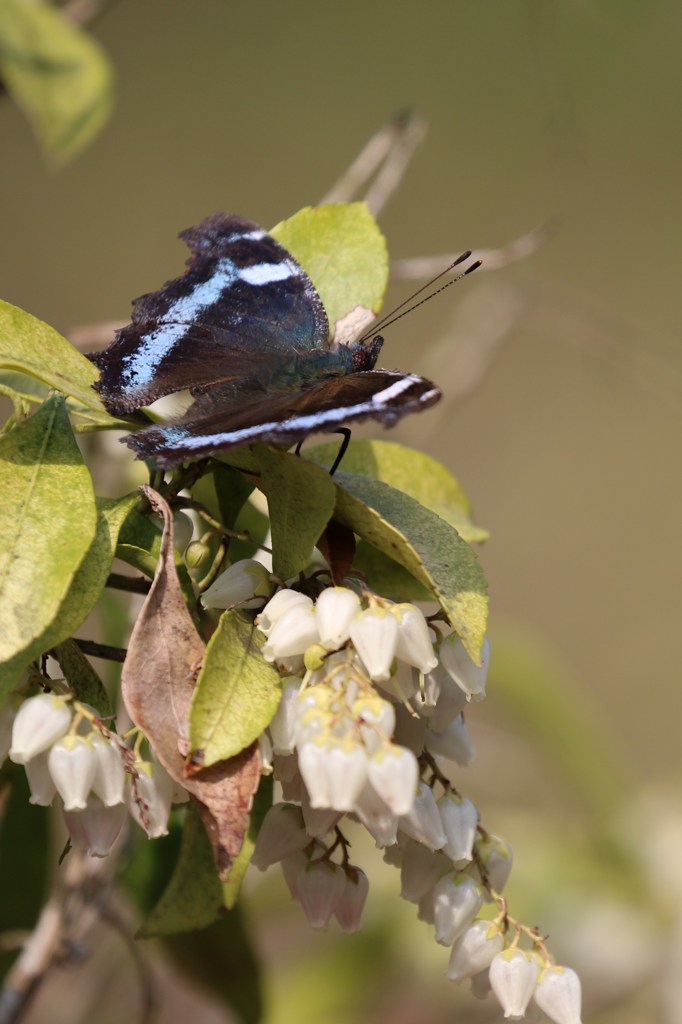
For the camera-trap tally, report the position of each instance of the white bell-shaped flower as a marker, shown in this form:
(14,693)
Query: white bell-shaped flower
(282,728)
(453,743)
(513,978)
(149,798)
(278,604)
(40,782)
(348,910)
(336,609)
(449,699)
(318,820)
(414,643)
(558,995)
(456,901)
(245,584)
(474,950)
(39,722)
(346,766)
(109,781)
(377,817)
(72,763)
(420,869)
(282,833)
(497,859)
(394,774)
(96,828)
(376,718)
(423,822)
(292,633)
(460,820)
(320,887)
(469,677)
(374,633)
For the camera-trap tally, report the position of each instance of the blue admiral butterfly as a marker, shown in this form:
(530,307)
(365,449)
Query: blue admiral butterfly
(246,332)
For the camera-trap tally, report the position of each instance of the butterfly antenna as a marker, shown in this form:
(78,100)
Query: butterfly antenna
(390,318)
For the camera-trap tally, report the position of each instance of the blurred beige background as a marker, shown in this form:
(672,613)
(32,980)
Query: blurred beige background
(568,443)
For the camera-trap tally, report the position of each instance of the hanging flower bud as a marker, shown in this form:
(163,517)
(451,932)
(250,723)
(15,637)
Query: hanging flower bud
(278,604)
(456,901)
(558,995)
(376,718)
(109,781)
(453,743)
(348,910)
(336,609)
(423,822)
(282,834)
(39,722)
(474,950)
(40,782)
(497,859)
(292,633)
(320,887)
(420,870)
(460,819)
(149,798)
(459,666)
(72,763)
(283,725)
(374,633)
(513,977)
(376,816)
(394,773)
(246,584)
(96,828)
(414,643)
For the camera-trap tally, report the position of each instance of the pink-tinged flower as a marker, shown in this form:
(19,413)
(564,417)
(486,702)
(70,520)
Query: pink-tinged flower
(72,764)
(348,910)
(456,901)
(320,887)
(460,819)
(109,781)
(149,798)
(40,782)
(474,950)
(376,816)
(513,977)
(374,633)
(394,774)
(246,584)
(558,995)
(459,666)
(420,869)
(96,828)
(423,822)
(282,834)
(278,604)
(453,743)
(318,820)
(39,722)
(414,645)
(292,633)
(336,609)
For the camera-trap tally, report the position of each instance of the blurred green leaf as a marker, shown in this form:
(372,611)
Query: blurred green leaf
(343,252)
(29,346)
(387,577)
(423,478)
(48,521)
(84,682)
(428,547)
(236,694)
(301,500)
(57,74)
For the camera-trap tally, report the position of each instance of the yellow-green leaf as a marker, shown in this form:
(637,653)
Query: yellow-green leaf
(343,251)
(236,695)
(57,74)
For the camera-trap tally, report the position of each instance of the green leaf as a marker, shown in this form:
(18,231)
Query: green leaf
(428,547)
(387,577)
(423,478)
(343,252)
(262,803)
(48,521)
(236,694)
(301,501)
(57,74)
(83,681)
(193,897)
(29,346)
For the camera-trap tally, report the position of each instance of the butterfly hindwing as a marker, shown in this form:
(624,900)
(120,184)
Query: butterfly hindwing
(242,299)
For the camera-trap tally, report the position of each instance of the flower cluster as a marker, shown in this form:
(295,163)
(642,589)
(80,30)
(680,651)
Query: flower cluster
(371,713)
(67,752)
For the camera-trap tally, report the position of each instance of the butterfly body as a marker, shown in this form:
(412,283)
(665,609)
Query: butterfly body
(245,331)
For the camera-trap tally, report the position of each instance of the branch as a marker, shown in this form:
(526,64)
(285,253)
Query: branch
(491,259)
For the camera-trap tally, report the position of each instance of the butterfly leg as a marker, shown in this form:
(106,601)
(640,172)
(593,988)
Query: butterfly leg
(345,431)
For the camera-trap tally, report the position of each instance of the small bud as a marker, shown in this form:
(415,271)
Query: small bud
(197,556)
(348,910)
(39,722)
(320,887)
(513,977)
(414,643)
(336,609)
(558,995)
(374,633)
(460,820)
(72,763)
(281,834)
(474,950)
(459,666)
(394,773)
(246,584)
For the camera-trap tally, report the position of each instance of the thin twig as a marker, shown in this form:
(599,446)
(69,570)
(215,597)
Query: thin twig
(491,259)
(131,584)
(105,651)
